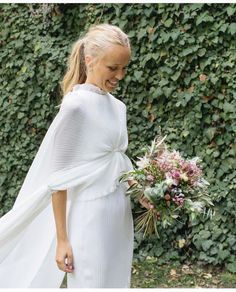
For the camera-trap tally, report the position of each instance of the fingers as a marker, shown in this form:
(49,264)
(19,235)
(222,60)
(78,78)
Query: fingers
(69,264)
(146,204)
(144,201)
(151,206)
(66,265)
(61,265)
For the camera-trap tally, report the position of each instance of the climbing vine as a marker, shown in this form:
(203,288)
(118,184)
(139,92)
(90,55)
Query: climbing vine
(180,82)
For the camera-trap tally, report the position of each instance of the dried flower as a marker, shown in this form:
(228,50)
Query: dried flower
(143,162)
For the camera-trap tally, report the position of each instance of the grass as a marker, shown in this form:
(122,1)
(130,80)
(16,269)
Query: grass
(148,274)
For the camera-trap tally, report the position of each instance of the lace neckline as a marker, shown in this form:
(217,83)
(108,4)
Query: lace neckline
(90,87)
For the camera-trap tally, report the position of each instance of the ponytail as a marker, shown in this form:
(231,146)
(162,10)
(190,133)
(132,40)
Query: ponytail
(76,73)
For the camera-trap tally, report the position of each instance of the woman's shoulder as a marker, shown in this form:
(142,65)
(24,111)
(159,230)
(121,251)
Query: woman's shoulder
(71,105)
(73,100)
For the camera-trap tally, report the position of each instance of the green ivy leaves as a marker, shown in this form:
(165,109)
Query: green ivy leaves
(181,82)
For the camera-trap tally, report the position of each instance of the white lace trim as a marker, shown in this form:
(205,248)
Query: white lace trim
(90,87)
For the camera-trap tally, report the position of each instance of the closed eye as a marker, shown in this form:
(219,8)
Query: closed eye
(114,68)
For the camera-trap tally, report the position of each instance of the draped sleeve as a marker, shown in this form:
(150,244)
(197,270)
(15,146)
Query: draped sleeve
(83,149)
(55,155)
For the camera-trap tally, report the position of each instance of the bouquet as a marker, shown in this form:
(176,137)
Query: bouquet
(173,185)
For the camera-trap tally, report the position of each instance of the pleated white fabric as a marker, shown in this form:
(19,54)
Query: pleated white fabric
(103,243)
(83,152)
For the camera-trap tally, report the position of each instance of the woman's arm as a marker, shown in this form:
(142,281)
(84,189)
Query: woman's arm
(64,250)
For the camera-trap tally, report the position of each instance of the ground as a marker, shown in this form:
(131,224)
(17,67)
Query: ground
(148,274)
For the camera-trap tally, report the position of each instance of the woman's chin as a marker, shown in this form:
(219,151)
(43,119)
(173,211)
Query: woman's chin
(110,87)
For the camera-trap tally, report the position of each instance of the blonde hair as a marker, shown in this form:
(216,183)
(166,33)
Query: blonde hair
(94,42)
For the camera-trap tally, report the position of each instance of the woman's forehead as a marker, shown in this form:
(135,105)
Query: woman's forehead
(117,55)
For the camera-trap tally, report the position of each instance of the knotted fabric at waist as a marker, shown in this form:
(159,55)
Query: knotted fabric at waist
(95,178)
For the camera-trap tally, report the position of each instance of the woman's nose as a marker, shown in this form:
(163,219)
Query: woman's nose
(120,75)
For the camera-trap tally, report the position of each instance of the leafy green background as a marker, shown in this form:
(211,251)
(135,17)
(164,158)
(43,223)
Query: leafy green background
(181,82)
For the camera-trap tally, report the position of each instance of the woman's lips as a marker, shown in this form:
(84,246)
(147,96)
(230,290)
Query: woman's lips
(112,83)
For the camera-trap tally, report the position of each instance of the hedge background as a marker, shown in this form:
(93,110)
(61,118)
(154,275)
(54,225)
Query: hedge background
(181,82)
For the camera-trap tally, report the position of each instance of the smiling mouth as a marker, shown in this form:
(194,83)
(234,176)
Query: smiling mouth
(112,84)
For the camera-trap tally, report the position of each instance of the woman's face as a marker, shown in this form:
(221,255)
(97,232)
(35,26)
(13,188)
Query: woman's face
(110,68)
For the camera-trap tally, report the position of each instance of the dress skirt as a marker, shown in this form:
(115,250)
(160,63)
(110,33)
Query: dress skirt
(101,235)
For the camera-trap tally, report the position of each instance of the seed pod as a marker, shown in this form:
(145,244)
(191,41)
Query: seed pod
(158,215)
(167,197)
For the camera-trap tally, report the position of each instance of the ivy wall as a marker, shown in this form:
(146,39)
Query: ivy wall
(181,82)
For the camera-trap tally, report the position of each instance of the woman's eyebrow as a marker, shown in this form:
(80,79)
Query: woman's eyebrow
(119,64)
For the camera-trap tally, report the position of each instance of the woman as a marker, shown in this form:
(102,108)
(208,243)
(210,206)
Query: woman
(101,254)
(71,214)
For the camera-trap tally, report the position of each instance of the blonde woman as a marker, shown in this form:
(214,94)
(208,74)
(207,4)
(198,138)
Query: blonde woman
(71,214)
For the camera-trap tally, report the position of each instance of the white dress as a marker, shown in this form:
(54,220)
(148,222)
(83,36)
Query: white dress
(83,152)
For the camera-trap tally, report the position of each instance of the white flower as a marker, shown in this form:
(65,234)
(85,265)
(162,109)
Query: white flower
(184,177)
(202,183)
(169,181)
(195,159)
(181,243)
(197,206)
(143,162)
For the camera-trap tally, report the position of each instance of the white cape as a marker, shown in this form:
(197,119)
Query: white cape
(84,147)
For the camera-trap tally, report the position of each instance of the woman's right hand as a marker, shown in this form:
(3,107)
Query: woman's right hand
(64,256)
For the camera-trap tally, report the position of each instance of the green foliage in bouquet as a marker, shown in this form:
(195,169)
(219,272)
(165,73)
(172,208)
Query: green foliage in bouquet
(173,185)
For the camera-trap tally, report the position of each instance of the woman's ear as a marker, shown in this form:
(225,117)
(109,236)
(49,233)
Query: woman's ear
(88,59)
(89,63)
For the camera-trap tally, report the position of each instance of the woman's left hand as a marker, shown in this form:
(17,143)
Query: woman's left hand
(145,203)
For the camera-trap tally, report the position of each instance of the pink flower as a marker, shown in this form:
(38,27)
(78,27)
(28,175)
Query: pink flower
(175,174)
(179,200)
(168,177)
(150,178)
